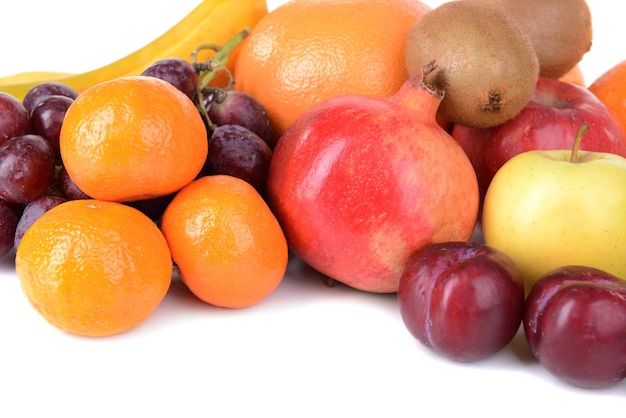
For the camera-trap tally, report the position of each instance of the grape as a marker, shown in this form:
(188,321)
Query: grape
(32,211)
(26,168)
(176,71)
(14,119)
(46,119)
(44,90)
(9,217)
(69,189)
(153,208)
(239,152)
(233,107)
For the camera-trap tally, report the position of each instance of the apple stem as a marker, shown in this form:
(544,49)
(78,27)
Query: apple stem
(579,136)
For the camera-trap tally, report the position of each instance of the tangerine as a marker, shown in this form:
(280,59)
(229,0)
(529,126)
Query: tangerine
(228,246)
(610,88)
(575,76)
(308,50)
(132,138)
(94,268)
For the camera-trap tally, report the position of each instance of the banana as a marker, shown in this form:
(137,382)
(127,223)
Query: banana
(211,22)
(31,76)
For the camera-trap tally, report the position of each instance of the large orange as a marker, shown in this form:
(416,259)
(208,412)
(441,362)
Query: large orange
(132,138)
(610,88)
(94,268)
(574,76)
(228,246)
(307,50)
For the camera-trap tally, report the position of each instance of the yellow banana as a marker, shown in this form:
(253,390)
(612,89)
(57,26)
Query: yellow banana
(31,76)
(212,21)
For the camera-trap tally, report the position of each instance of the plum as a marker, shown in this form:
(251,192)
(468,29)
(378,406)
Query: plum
(464,300)
(575,325)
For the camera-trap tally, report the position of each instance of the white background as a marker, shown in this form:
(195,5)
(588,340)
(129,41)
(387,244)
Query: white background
(306,351)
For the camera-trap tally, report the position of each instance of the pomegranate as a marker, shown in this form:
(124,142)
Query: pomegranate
(361,183)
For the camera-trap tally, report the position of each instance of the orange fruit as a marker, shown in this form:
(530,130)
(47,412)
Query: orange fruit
(94,268)
(610,88)
(574,76)
(132,138)
(308,50)
(228,246)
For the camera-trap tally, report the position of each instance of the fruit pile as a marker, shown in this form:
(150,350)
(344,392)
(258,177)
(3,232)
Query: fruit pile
(458,168)
(107,187)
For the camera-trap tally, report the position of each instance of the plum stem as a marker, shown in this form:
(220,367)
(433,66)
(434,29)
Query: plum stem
(579,136)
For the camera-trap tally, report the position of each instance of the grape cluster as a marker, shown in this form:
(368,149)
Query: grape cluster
(240,135)
(33,179)
(30,157)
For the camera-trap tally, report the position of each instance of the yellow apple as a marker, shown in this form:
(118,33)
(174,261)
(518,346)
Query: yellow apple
(548,209)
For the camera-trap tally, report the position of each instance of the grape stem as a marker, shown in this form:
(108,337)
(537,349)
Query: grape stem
(208,69)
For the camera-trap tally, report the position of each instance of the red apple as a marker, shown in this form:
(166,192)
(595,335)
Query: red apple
(464,300)
(549,121)
(575,325)
(360,183)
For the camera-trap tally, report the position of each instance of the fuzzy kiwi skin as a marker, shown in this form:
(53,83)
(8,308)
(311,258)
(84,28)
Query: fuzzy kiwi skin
(486,64)
(560,30)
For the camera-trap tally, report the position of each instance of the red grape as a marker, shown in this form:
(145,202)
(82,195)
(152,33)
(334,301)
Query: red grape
(236,151)
(27,168)
(14,119)
(233,107)
(44,90)
(46,119)
(9,217)
(176,71)
(69,189)
(32,211)
(153,208)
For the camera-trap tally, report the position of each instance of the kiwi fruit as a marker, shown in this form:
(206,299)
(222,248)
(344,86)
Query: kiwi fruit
(486,65)
(560,30)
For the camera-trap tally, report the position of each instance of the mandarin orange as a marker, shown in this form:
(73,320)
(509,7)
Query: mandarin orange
(307,50)
(575,76)
(94,268)
(228,246)
(132,138)
(610,88)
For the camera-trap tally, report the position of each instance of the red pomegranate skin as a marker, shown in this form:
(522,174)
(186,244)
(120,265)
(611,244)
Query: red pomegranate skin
(361,183)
